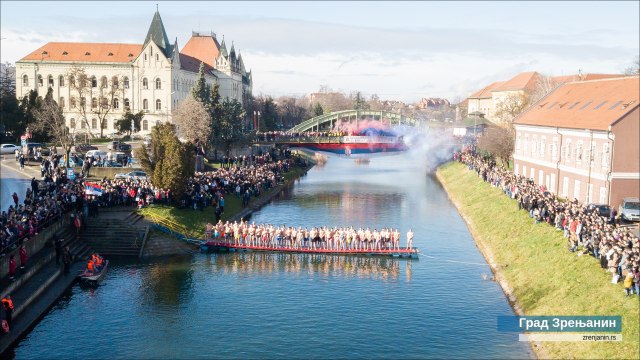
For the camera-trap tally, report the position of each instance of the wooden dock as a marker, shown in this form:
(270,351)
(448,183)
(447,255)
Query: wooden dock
(220,247)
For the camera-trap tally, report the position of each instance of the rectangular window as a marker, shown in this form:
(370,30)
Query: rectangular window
(576,189)
(524,170)
(533,173)
(579,145)
(534,146)
(590,193)
(605,156)
(540,177)
(543,144)
(517,167)
(552,184)
(565,187)
(603,195)
(567,152)
(554,149)
(526,144)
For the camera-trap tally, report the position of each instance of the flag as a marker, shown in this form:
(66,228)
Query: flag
(92,189)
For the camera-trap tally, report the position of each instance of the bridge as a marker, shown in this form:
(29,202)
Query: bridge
(328,122)
(350,122)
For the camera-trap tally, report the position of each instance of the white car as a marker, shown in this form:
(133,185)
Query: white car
(133,175)
(9,148)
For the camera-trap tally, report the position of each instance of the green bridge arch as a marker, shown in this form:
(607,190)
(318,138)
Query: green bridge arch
(326,122)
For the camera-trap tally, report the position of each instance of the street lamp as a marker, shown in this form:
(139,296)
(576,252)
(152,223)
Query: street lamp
(256,123)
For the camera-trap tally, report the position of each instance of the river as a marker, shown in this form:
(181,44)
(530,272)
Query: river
(260,305)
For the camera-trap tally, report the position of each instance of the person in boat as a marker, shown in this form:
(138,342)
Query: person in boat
(91,268)
(409,239)
(7,303)
(98,262)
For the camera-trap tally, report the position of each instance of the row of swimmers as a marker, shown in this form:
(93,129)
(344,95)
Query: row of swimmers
(325,238)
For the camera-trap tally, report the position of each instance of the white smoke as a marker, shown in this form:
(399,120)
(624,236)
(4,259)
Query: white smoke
(429,147)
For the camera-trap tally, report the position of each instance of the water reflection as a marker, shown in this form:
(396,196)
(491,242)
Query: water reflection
(261,263)
(170,282)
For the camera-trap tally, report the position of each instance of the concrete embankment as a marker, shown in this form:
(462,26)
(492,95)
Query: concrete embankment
(536,271)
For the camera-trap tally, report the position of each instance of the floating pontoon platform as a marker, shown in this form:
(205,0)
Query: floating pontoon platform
(220,247)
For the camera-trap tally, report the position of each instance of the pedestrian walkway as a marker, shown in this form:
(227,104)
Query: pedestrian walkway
(37,288)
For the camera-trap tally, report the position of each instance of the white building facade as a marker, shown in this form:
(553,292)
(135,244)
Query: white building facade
(153,77)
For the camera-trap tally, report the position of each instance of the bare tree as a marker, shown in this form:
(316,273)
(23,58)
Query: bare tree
(511,106)
(544,85)
(634,69)
(94,96)
(192,120)
(499,141)
(50,119)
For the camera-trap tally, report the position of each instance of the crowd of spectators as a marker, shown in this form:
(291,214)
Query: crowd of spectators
(615,247)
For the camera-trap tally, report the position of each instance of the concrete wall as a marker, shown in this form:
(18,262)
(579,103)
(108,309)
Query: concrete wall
(33,245)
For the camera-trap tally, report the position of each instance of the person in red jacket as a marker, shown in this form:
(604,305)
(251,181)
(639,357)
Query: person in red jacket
(23,257)
(12,269)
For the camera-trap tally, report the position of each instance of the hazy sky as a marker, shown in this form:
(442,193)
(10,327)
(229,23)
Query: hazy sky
(398,50)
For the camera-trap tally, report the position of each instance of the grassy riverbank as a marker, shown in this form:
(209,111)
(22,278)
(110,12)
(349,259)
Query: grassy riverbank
(195,220)
(543,277)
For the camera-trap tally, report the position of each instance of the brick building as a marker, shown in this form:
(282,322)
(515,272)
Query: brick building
(582,140)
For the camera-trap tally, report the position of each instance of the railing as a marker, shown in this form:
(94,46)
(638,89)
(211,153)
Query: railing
(171,227)
(316,121)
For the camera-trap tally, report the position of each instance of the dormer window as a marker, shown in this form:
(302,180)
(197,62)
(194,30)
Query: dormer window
(130,55)
(44,53)
(110,54)
(65,53)
(87,53)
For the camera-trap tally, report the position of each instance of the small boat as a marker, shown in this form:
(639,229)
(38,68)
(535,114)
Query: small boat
(93,279)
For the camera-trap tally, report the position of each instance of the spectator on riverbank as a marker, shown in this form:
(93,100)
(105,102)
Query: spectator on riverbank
(614,246)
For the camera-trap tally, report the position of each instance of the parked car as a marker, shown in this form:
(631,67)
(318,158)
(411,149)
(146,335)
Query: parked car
(116,156)
(630,209)
(141,175)
(96,154)
(9,148)
(118,145)
(83,148)
(602,209)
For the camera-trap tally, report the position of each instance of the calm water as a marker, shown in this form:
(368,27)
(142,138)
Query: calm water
(302,306)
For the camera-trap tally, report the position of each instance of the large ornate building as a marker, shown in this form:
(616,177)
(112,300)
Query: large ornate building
(153,77)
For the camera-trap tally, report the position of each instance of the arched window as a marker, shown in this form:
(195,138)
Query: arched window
(40,80)
(103,82)
(94,82)
(94,123)
(61,80)
(61,101)
(94,103)
(104,102)
(158,83)
(145,83)
(145,57)
(145,104)
(25,80)
(72,123)
(157,57)
(50,80)
(126,82)
(115,82)
(116,103)
(158,105)
(145,125)
(126,104)
(72,81)
(72,102)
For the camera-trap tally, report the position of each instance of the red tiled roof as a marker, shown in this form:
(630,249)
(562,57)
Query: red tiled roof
(85,52)
(568,78)
(203,48)
(485,93)
(592,104)
(522,81)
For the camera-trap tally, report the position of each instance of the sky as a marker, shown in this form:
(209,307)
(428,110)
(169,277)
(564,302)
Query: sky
(397,50)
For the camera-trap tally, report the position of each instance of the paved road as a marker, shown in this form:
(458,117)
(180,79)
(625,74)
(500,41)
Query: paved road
(12,179)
